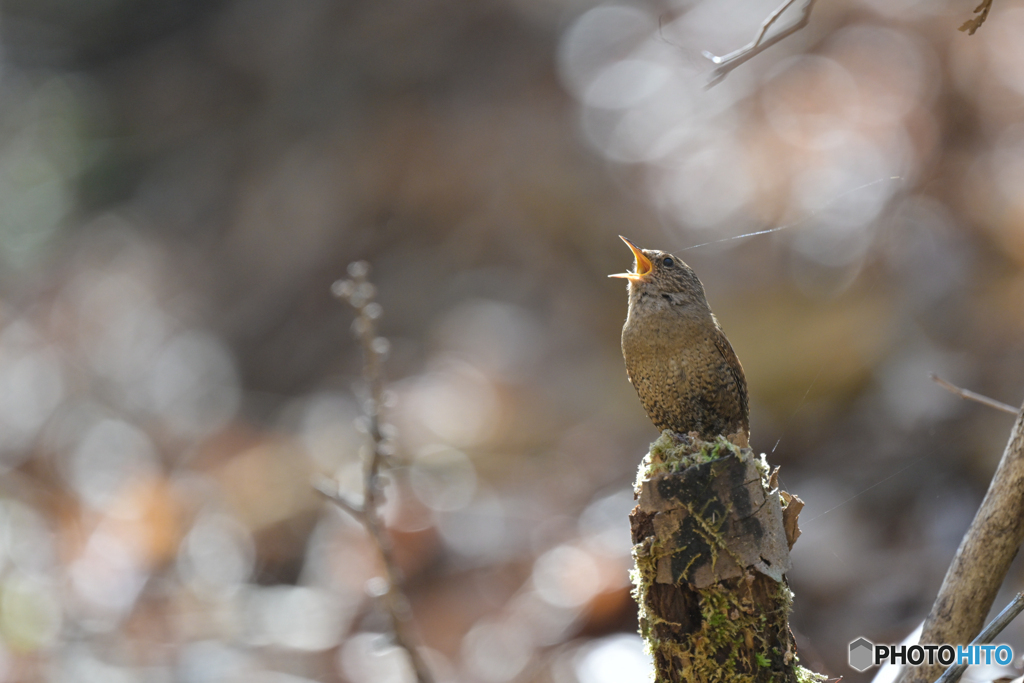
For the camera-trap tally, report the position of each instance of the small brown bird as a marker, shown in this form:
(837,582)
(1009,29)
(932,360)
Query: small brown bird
(677,357)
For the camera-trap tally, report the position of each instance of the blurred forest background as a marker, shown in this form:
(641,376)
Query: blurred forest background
(182,180)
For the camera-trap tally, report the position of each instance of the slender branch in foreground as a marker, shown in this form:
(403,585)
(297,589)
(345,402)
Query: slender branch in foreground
(359,293)
(1009,613)
(982,560)
(727,63)
(972,396)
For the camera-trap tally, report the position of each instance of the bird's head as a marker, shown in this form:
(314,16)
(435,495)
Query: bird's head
(661,274)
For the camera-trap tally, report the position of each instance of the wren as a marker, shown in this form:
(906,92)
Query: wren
(677,357)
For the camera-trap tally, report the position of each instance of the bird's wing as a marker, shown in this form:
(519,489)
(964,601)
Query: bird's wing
(732,363)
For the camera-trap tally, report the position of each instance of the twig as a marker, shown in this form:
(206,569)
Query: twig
(727,63)
(972,396)
(359,293)
(982,560)
(972,25)
(1009,613)
(329,489)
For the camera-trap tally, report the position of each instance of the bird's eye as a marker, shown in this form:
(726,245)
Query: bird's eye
(668,262)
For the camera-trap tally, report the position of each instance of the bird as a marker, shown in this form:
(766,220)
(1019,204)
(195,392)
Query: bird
(677,357)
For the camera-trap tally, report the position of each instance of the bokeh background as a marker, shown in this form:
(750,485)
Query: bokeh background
(182,180)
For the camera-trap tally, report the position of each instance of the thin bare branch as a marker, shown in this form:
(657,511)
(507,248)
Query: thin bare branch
(360,294)
(972,396)
(982,10)
(329,489)
(995,627)
(727,63)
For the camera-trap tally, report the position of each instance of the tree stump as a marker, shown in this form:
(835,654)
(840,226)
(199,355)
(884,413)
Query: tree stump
(711,540)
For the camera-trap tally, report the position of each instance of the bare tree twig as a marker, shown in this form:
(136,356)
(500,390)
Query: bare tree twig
(727,63)
(995,627)
(329,489)
(972,396)
(982,560)
(360,293)
(982,10)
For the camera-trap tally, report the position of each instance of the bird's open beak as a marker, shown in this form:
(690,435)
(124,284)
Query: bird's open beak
(643,264)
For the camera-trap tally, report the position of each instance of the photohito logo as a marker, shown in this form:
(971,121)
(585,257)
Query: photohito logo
(862,654)
(865,654)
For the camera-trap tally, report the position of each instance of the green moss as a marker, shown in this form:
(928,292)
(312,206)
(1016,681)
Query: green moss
(730,628)
(807,676)
(673,452)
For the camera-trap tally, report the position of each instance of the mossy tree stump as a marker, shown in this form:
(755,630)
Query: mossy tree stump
(712,534)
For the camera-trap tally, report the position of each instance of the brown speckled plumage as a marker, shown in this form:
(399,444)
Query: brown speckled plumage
(677,357)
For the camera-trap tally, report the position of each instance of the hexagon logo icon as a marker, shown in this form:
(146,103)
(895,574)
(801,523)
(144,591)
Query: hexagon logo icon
(862,654)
